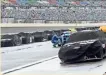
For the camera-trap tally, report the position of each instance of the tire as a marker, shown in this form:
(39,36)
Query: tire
(38,39)
(25,38)
(38,36)
(49,37)
(16,40)
(6,43)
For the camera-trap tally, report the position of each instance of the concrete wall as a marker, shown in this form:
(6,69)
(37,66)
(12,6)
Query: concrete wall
(16,28)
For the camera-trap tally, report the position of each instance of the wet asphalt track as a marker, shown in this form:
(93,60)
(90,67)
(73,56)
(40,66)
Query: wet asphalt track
(14,57)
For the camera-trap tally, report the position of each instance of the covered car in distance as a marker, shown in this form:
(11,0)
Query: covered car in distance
(84,46)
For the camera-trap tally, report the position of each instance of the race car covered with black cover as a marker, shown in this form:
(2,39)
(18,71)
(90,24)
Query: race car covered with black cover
(84,46)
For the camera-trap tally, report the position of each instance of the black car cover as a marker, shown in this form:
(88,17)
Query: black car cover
(76,52)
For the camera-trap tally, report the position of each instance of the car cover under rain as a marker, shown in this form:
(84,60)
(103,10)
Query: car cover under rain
(81,52)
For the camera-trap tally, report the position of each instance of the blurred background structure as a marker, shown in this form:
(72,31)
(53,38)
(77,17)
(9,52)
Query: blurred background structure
(53,11)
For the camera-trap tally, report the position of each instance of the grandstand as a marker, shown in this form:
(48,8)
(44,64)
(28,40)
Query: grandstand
(53,11)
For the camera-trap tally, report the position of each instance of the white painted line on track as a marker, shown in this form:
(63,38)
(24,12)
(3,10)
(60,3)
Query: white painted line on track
(28,65)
